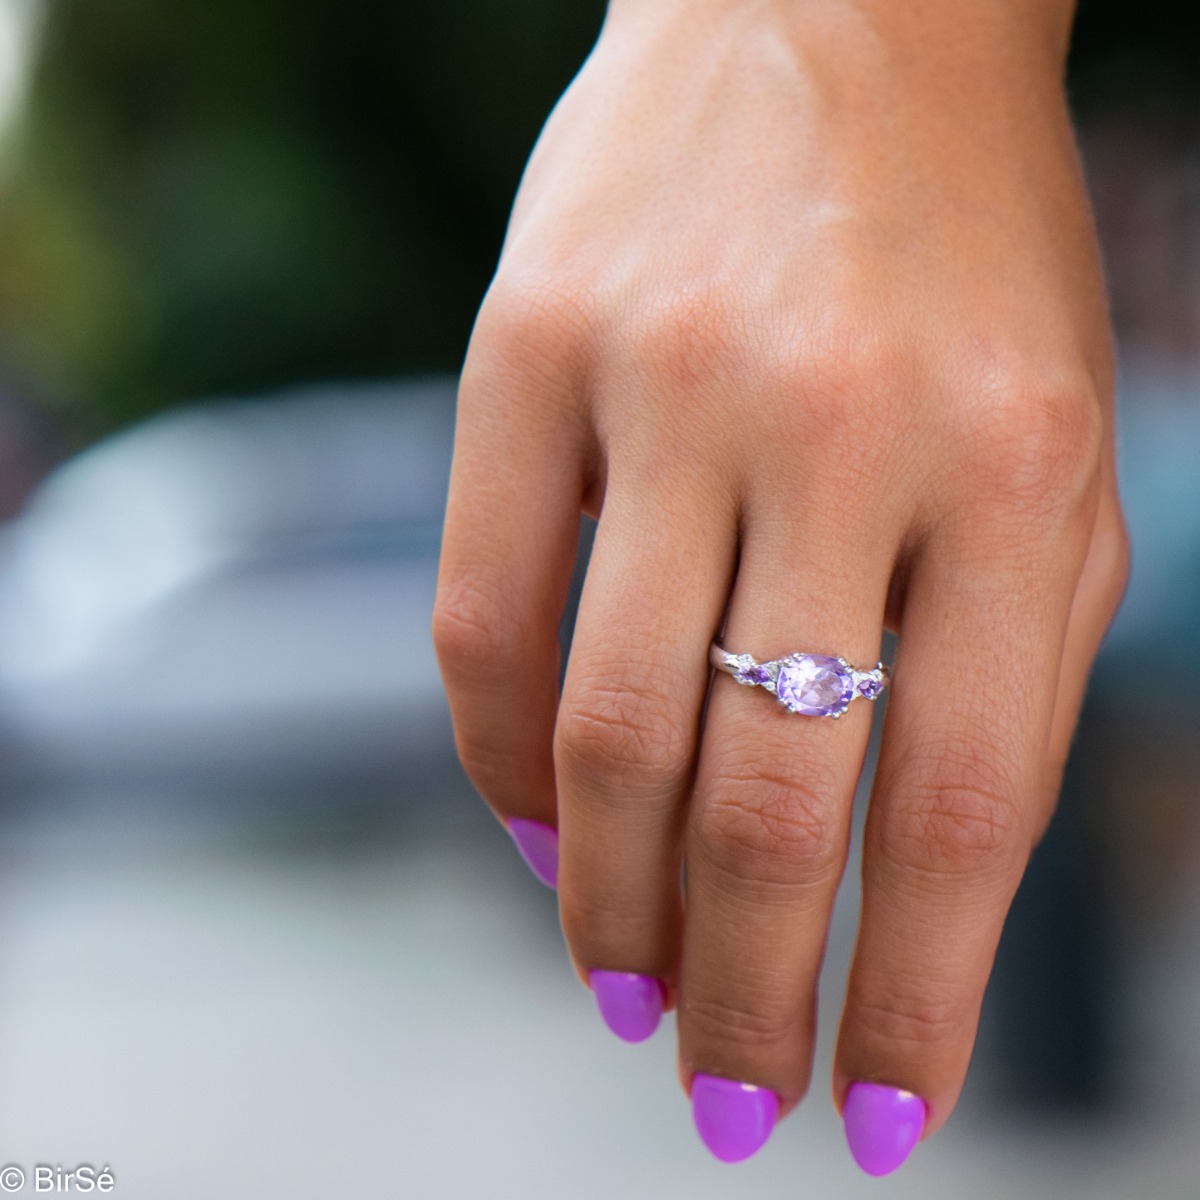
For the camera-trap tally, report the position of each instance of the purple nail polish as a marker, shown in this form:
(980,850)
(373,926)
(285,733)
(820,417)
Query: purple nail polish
(883,1124)
(538,845)
(733,1119)
(631,1005)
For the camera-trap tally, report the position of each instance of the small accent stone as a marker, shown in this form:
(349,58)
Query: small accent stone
(748,671)
(756,674)
(815,685)
(870,688)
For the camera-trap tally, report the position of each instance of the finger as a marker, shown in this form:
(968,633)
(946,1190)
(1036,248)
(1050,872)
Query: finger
(1097,597)
(951,823)
(625,743)
(508,549)
(768,827)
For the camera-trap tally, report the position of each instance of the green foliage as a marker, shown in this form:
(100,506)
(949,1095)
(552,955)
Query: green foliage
(224,195)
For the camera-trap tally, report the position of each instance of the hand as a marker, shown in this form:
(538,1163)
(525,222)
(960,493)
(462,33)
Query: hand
(803,302)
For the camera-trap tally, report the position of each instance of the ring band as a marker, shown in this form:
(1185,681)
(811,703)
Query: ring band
(815,685)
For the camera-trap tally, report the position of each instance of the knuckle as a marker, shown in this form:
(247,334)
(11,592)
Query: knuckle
(851,369)
(847,393)
(960,817)
(911,1017)
(473,632)
(1114,556)
(1039,445)
(739,1025)
(771,828)
(688,339)
(528,323)
(832,397)
(855,378)
(498,771)
(625,731)
(602,924)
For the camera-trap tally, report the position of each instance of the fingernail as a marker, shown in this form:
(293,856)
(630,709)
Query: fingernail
(631,1005)
(883,1124)
(538,845)
(733,1119)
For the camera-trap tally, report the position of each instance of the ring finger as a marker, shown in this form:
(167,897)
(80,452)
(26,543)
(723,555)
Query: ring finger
(769,825)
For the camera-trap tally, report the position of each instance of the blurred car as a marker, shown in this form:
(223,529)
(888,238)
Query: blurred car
(243,585)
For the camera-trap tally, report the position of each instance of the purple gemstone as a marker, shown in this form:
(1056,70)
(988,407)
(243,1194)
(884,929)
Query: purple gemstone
(755,675)
(815,685)
(870,688)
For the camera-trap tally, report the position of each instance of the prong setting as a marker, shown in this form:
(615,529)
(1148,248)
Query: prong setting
(810,684)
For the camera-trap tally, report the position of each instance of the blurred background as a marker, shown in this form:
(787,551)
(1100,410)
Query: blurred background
(257,935)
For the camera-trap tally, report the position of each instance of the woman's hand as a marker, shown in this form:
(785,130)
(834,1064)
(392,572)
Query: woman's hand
(802,300)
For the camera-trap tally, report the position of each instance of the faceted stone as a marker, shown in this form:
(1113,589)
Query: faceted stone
(816,685)
(870,688)
(756,674)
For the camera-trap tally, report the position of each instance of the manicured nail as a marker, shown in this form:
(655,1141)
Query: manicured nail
(733,1119)
(538,845)
(631,1005)
(883,1124)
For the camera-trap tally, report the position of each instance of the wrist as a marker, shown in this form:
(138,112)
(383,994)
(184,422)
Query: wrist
(1022,36)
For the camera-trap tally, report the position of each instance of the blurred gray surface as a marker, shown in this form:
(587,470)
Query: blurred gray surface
(255,1017)
(240,587)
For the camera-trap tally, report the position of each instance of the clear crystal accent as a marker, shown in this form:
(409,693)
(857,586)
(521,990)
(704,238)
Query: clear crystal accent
(751,673)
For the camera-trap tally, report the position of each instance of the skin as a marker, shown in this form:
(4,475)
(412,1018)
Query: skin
(803,301)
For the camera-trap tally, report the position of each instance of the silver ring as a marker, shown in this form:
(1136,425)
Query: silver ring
(816,685)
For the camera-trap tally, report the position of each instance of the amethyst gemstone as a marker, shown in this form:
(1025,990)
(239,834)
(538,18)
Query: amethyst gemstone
(755,675)
(870,688)
(815,685)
